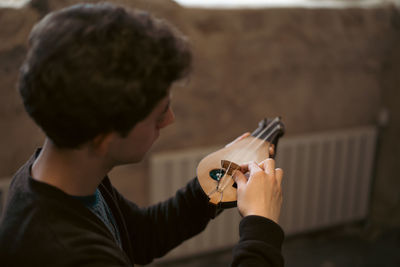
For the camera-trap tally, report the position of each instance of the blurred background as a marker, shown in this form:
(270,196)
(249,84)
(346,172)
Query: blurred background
(330,69)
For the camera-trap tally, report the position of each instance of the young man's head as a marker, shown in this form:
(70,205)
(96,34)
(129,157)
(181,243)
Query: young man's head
(94,69)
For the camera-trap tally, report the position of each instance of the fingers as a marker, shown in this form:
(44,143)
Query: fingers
(243,136)
(269,166)
(253,168)
(271,150)
(279,175)
(261,193)
(239,178)
(244,168)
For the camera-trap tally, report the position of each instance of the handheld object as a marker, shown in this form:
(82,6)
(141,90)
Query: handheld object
(216,169)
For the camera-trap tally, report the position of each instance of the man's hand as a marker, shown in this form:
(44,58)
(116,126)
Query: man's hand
(260,193)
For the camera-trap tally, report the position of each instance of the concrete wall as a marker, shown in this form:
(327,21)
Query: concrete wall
(318,69)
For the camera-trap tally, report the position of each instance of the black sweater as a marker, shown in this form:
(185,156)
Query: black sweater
(43,226)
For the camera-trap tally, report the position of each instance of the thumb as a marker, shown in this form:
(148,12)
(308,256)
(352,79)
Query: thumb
(239,178)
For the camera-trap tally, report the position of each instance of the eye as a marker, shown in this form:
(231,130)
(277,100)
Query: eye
(161,119)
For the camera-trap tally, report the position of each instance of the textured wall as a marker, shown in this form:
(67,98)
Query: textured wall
(18,134)
(386,190)
(318,69)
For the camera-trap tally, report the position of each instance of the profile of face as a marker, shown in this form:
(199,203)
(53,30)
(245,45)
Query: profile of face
(133,147)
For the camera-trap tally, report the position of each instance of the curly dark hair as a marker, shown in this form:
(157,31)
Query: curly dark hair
(98,68)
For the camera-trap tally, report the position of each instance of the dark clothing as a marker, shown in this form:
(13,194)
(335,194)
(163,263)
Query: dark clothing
(43,226)
(98,205)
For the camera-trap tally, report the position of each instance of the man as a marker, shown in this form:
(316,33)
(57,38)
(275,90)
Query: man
(96,80)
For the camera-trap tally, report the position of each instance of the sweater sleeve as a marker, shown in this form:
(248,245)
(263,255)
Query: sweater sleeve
(260,243)
(155,230)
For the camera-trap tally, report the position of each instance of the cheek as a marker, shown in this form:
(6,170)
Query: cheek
(149,136)
(168,119)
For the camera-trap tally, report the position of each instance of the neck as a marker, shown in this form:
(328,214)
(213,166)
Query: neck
(75,171)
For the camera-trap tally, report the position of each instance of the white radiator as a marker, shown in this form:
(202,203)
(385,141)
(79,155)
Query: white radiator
(327,180)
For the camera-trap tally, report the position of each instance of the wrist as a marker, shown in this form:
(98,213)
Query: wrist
(255,227)
(266,215)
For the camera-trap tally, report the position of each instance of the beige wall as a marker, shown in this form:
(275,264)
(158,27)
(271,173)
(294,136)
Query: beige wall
(318,69)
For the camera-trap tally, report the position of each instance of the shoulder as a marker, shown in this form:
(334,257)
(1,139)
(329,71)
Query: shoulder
(47,231)
(43,226)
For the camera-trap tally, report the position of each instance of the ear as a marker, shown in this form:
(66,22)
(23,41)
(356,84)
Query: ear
(101,143)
